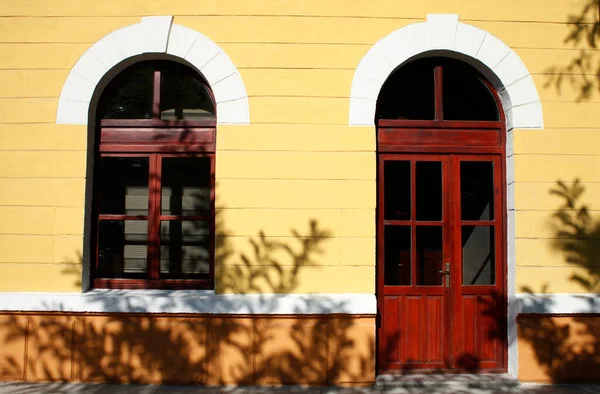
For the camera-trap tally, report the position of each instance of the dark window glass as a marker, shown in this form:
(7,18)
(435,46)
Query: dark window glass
(478,255)
(409,93)
(477,190)
(465,95)
(397,190)
(429,256)
(397,269)
(129,94)
(183,95)
(185,186)
(122,248)
(429,190)
(184,248)
(123,187)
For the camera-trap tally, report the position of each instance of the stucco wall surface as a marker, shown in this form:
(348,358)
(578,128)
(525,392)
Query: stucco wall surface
(297,171)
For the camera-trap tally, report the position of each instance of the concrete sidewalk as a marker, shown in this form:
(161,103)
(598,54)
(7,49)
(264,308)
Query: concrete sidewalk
(436,387)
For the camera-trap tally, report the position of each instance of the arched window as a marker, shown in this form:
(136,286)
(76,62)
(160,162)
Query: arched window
(154,179)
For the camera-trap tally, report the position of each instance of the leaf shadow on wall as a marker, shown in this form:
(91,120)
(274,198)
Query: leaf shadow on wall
(312,346)
(568,348)
(582,71)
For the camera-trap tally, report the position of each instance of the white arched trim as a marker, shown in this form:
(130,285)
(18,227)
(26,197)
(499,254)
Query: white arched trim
(444,32)
(156,34)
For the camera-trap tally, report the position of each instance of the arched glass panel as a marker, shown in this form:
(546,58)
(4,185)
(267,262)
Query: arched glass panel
(409,93)
(466,95)
(129,94)
(182,94)
(437,89)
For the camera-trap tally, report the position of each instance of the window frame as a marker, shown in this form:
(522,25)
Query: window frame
(155,139)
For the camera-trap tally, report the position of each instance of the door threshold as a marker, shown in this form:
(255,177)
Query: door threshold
(449,379)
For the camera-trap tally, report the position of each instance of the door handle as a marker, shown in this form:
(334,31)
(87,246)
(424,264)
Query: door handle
(446,272)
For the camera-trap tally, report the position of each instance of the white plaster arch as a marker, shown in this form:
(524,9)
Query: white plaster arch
(155,34)
(444,32)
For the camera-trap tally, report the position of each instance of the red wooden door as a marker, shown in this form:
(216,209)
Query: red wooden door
(440,272)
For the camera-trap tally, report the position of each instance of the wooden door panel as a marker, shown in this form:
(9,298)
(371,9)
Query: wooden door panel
(413,332)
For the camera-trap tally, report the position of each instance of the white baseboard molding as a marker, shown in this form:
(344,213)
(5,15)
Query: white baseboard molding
(564,303)
(189,301)
(207,302)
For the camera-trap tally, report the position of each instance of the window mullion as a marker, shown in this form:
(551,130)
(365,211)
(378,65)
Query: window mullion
(154,219)
(439,98)
(156,96)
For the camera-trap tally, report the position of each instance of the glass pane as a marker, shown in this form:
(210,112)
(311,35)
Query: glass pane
(123,185)
(476,190)
(129,94)
(408,93)
(397,190)
(429,190)
(122,248)
(185,186)
(429,256)
(478,255)
(184,248)
(183,94)
(397,267)
(466,96)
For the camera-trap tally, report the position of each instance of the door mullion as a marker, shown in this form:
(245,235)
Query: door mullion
(154,219)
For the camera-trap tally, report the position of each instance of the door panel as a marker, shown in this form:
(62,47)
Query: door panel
(440,263)
(412,248)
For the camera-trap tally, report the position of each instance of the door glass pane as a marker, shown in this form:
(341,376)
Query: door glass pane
(122,248)
(184,248)
(183,95)
(397,190)
(478,255)
(477,190)
(185,186)
(123,186)
(397,268)
(429,255)
(429,190)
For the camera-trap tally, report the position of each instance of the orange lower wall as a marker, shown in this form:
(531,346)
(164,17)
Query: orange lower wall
(559,349)
(188,349)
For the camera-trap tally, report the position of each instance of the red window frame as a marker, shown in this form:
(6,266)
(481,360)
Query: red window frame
(157,139)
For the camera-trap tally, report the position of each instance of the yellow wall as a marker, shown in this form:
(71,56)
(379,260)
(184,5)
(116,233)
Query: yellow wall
(297,161)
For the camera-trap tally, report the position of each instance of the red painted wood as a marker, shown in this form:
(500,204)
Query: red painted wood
(439,94)
(147,135)
(423,137)
(448,328)
(440,124)
(154,123)
(176,284)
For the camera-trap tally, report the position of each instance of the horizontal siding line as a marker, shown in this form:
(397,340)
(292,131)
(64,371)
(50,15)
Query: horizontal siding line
(293,151)
(37,263)
(555,238)
(557,266)
(285,43)
(344,17)
(41,235)
(557,154)
(299,15)
(3,149)
(40,177)
(294,180)
(299,179)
